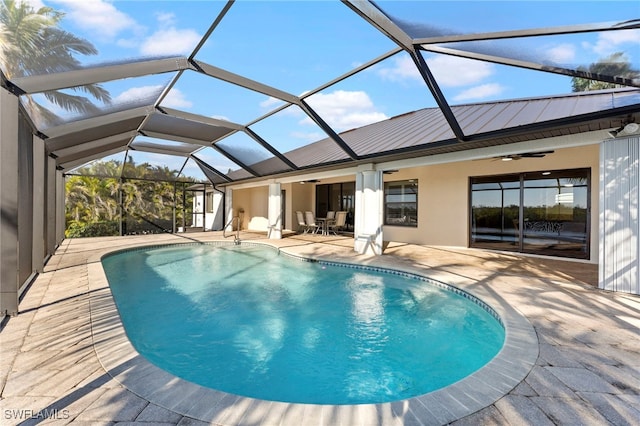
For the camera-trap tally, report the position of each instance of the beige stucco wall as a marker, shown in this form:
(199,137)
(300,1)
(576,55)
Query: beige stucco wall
(301,197)
(255,202)
(443,198)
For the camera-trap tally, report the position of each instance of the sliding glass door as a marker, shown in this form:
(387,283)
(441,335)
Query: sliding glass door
(495,206)
(555,213)
(336,197)
(543,212)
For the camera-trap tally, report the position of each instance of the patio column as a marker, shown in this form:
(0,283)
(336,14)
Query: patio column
(8,204)
(60,207)
(37,245)
(368,211)
(619,228)
(275,212)
(51,206)
(228,195)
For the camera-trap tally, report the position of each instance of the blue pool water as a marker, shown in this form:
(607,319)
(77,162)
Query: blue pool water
(250,321)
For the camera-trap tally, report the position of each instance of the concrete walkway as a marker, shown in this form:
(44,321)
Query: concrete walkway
(587,370)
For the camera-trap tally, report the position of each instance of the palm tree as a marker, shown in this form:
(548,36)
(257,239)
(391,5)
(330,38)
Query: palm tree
(615,64)
(31,43)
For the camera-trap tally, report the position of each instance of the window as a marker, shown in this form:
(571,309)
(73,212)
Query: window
(210,201)
(543,212)
(401,203)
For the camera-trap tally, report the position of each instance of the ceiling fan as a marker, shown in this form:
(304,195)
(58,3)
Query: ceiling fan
(522,155)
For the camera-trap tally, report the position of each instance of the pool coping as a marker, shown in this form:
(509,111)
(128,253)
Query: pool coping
(480,389)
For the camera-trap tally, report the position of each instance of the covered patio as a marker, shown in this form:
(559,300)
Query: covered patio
(586,369)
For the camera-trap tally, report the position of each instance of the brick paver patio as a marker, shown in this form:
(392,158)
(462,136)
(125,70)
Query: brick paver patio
(587,369)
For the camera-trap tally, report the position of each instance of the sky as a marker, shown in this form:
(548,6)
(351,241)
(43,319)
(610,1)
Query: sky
(297,46)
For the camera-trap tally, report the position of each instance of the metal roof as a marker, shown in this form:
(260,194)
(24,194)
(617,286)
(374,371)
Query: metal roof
(497,123)
(147,125)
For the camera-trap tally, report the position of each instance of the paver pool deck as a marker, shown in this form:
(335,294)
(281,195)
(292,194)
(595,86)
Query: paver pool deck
(65,358)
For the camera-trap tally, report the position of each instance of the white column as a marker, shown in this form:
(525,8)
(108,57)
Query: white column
(369,211)
(8,203)
(60,207)
(619,230)
(275,211)
(39,159)
(229,207)
(51,206)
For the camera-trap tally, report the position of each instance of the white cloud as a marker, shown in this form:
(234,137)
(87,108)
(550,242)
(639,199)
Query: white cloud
(480,92)
(174,99)
(166,18)
(36,4)
(561,54)
(170,41)
(452,71)
(102,18)
(403,69)
(344,110)
(138,93)
(271,102)
(609,42)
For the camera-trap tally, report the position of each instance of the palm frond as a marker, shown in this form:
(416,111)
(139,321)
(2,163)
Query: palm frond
(79,104)
(95,90)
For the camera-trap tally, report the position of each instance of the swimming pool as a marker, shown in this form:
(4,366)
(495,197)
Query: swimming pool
(276,328)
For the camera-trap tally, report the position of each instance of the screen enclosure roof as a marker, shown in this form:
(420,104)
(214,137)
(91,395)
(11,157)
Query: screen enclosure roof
(278,87)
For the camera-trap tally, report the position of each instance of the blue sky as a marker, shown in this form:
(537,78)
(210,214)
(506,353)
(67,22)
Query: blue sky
(298,45)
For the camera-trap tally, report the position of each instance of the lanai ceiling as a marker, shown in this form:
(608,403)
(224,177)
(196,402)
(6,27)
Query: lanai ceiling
(242,118)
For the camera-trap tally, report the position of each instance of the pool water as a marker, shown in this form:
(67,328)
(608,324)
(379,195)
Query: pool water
(250,321)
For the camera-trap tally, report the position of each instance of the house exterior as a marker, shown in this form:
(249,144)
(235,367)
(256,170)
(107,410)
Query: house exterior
(557,195)
(432,176)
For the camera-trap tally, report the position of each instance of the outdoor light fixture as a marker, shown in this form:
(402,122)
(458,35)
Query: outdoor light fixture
(629,128)
(522,155)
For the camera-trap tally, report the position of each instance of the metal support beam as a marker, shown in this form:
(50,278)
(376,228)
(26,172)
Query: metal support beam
(431,82)
(98,74)
(235,160)
(623,81)
(206,169)
(271,149)
(8,203)
(374,16)
(247,83)
(532,32)
(39,159)
(328,130)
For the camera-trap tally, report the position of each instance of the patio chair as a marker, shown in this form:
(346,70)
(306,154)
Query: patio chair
(310,222)
(331,215)
(302,225)
(338,223)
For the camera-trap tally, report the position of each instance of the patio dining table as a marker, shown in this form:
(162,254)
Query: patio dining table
(323,223)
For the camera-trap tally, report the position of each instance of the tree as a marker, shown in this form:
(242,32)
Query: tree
(31,43)
(615,64)
(98,199)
